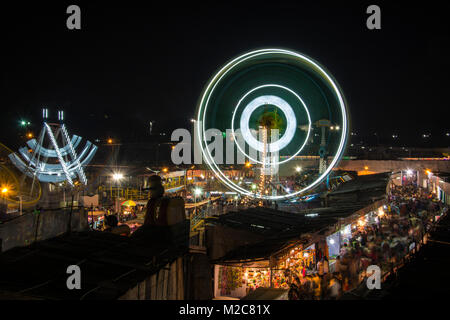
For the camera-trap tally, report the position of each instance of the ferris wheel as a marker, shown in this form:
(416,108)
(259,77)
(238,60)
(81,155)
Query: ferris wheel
(280,108)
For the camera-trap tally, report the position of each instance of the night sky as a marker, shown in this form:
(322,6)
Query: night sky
(131,63)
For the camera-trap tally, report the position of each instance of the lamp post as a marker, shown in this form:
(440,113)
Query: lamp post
(117,177)
(4,192)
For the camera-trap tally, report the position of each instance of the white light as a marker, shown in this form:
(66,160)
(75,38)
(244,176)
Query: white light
(409,172)
(331,241)
(198,191)
(260,102)
(298,169)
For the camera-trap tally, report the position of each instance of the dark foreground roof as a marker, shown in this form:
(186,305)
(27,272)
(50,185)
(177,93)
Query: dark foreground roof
(110,265)
(280,229)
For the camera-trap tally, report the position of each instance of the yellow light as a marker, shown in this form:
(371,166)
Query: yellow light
(30,135)
(110,141)
(165,170)
(366,168)
(248,164)
(4,190)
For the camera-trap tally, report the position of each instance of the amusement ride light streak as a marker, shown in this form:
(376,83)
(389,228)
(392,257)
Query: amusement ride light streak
(290,117)
(208,91)
(60,158)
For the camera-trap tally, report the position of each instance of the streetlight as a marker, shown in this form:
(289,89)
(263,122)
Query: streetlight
(197,192)
(117,176)
(4,192)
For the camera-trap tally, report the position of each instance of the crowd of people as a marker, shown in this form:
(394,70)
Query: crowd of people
(397,231)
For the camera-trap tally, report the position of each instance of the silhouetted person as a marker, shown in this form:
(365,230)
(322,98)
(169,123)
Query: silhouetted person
(111,225)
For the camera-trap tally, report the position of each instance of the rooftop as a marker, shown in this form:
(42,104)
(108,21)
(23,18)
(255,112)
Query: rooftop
(281,229)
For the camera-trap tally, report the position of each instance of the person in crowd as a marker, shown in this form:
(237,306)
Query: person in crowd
(326,265)
(317,288)
(320,268)
(294,290)
(334,288)
(337,265)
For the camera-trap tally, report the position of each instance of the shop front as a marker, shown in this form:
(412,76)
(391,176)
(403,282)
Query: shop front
(239,280)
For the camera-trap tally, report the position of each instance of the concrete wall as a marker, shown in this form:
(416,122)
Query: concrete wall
(378,166)
(28,228)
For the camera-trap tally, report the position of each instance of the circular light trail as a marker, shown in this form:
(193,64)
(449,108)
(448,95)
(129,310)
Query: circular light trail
(227,70)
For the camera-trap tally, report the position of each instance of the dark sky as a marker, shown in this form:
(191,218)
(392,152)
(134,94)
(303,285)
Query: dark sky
(131,63)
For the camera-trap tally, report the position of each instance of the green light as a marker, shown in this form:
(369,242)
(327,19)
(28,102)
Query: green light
(23,123)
